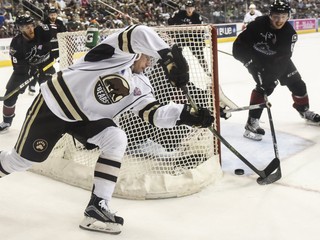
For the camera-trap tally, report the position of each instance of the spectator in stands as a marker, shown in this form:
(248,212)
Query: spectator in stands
(74,23)
(251,15)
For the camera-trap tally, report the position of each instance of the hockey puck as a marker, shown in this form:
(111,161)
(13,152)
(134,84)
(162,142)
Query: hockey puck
(239,171)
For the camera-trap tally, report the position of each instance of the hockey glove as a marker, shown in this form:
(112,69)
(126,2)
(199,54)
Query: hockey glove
(223,114)
(253,67)
(202,118)
(34,72)
(175,66)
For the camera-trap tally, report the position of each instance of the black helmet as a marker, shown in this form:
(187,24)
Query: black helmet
(189,3)
(24,20)
(53,10)
(280,6)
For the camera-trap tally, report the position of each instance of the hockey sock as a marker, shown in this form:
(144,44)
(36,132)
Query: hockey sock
(256,98)
(301,103)
(8,113)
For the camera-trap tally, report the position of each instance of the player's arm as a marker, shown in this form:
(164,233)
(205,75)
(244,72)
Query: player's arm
(172,114)
(18,58)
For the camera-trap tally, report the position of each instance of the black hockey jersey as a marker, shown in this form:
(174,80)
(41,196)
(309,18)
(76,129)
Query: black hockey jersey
(55,28)
(267,47)
(180,17)
(33,53)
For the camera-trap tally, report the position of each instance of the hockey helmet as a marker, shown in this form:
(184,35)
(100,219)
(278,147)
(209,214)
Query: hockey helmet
(52,10)
(190,3)
(280,6)
(252,6)
(24,20)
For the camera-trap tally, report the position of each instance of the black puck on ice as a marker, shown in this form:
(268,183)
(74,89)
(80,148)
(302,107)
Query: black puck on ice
(239,171)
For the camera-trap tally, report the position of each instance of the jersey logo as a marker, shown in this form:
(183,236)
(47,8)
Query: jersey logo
(40,145)
(111,89)
(294,38)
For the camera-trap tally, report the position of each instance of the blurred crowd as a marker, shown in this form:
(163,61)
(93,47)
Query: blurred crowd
(79,14)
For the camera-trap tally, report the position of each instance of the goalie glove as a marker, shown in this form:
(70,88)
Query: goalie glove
(189,116)
(175,66)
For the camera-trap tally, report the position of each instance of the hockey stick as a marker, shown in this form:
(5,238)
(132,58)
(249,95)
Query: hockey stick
(251,107)
(273,133)
(22,85)
(225,53)
(269,175)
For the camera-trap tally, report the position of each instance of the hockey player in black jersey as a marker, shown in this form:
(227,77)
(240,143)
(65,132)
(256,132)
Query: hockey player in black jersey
(265,48)
(196,44)
(84,99)
(56,26)
(30,53)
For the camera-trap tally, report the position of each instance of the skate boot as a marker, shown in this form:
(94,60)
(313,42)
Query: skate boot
(311,117)
(4,127)
(32,90)
(97,217)
(253,130)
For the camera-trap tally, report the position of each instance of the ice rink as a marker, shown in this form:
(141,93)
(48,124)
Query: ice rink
(35,207)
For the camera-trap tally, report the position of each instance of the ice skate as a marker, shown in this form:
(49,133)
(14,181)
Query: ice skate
(32,90)
(311,117)
(97,217)
(253,130)
(4,127)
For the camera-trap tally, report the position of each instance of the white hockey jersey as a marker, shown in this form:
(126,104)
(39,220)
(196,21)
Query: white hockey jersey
(249,17)
(102,85)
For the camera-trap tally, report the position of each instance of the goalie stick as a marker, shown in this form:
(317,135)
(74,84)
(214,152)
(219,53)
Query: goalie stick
(22,85)
(269,175)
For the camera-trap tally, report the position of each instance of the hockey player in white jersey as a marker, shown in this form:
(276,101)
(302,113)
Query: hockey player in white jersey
(83,100)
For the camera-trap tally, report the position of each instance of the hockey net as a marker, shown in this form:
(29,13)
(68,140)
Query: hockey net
(159,163)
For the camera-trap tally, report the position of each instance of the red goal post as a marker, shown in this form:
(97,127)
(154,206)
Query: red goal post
(159,163)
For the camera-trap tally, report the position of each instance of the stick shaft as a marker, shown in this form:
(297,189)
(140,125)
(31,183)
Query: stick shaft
(24,84)
(251,107)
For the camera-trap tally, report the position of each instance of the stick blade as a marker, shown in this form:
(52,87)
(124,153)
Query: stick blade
(272,172)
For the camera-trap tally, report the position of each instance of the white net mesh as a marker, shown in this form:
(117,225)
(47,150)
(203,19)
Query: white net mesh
(158,163)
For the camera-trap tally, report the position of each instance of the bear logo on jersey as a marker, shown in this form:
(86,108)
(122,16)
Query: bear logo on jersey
(40,145)
(111,88)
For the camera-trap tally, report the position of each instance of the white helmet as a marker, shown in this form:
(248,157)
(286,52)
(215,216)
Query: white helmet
(252,6)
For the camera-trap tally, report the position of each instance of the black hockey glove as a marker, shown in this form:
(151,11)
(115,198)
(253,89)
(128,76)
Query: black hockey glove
(223,114)
(253,67)
(203,118)
(34,72)
(175,66)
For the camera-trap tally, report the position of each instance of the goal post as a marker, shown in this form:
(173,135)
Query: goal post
(158,163)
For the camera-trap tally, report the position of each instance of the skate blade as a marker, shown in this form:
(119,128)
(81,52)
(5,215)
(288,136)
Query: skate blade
(252,136)
(93,224)
(4,131)
(311,123)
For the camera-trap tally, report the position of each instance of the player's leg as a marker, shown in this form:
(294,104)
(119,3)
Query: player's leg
(300,97)
(32,87)
(9,105)
(197,50)
(39,133)
(252,128)
(112,142)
